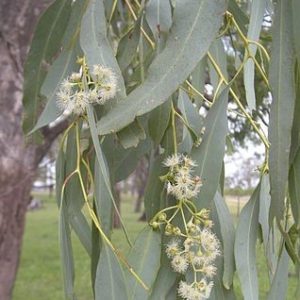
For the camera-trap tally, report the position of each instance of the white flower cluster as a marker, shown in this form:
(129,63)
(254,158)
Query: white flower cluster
(181,183)
(193,246)
(195,291)
(199,250)
(74,94)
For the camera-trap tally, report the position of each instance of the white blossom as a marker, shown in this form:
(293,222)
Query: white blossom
(179,264)
(172,248)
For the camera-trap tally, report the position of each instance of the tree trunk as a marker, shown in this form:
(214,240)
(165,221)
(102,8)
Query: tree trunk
(13,206)
(18,159)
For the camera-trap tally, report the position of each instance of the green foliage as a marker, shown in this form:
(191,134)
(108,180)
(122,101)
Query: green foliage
(161,54)
(45,45)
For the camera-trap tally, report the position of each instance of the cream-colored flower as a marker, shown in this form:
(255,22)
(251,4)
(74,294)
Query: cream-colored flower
(80,100)
(209,270)
(172,160)
(179,264)
(93,95)
(66,86)
(64,101)
(107,91)
(75,77)
(188,162)
(172,248)
(204,288)
(184,290)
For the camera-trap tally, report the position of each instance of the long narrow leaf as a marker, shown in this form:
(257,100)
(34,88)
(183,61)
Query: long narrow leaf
(282,107)
(110,281)
(193,21)
(245,247)
(258,8)
(45,45)
(144,257)
(209,155)
(94,41)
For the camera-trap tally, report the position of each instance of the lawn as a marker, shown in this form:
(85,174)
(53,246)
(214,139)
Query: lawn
(40,277)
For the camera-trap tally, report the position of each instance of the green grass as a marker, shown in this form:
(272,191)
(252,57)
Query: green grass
(40,276)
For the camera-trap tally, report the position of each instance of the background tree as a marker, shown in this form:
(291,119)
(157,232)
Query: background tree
(19,159)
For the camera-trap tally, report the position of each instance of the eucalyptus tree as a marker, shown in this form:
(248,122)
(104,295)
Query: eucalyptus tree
(129,77)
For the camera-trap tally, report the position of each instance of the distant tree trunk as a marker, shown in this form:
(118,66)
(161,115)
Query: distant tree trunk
(141,176)
(116,219)
(18,159)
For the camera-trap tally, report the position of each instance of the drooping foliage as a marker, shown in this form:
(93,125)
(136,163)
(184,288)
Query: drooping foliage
(173,81)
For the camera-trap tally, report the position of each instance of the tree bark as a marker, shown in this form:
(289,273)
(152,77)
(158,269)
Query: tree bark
(19,159)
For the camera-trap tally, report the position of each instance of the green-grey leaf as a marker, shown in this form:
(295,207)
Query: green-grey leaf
(282,107)
(66,252)
(258,8)
(154,188)
(131,135)
(219,291)
(165,279)
(61,68)
(218,53)
(295,138)
(103,201)
(158,16)
(193,21)
(263,219)
(296,27)
(228,237)
(158,121)
(199,78)
(190,113)
(110,281)
(209,155)
(245,247)
(128,46)
(122,162)
(144,257)
(239,15)
(294,188)
(279,283)
(95,44)
(45,45)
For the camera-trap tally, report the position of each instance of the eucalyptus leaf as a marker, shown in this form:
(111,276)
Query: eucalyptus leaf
(258,8)
(228,237)
(218,53)
(199,78)
(165,279)
(239,15)
(294,188)
(282,107)
(170,68)
(154,187)
(131,135)
(104,206)
(62,67)
(144,258)
(158,121)
(128,45)
(95,44)
(159,16)
(263,219)
(279,284)
(245,247)
(209,155)
(110,281)
(45,45)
